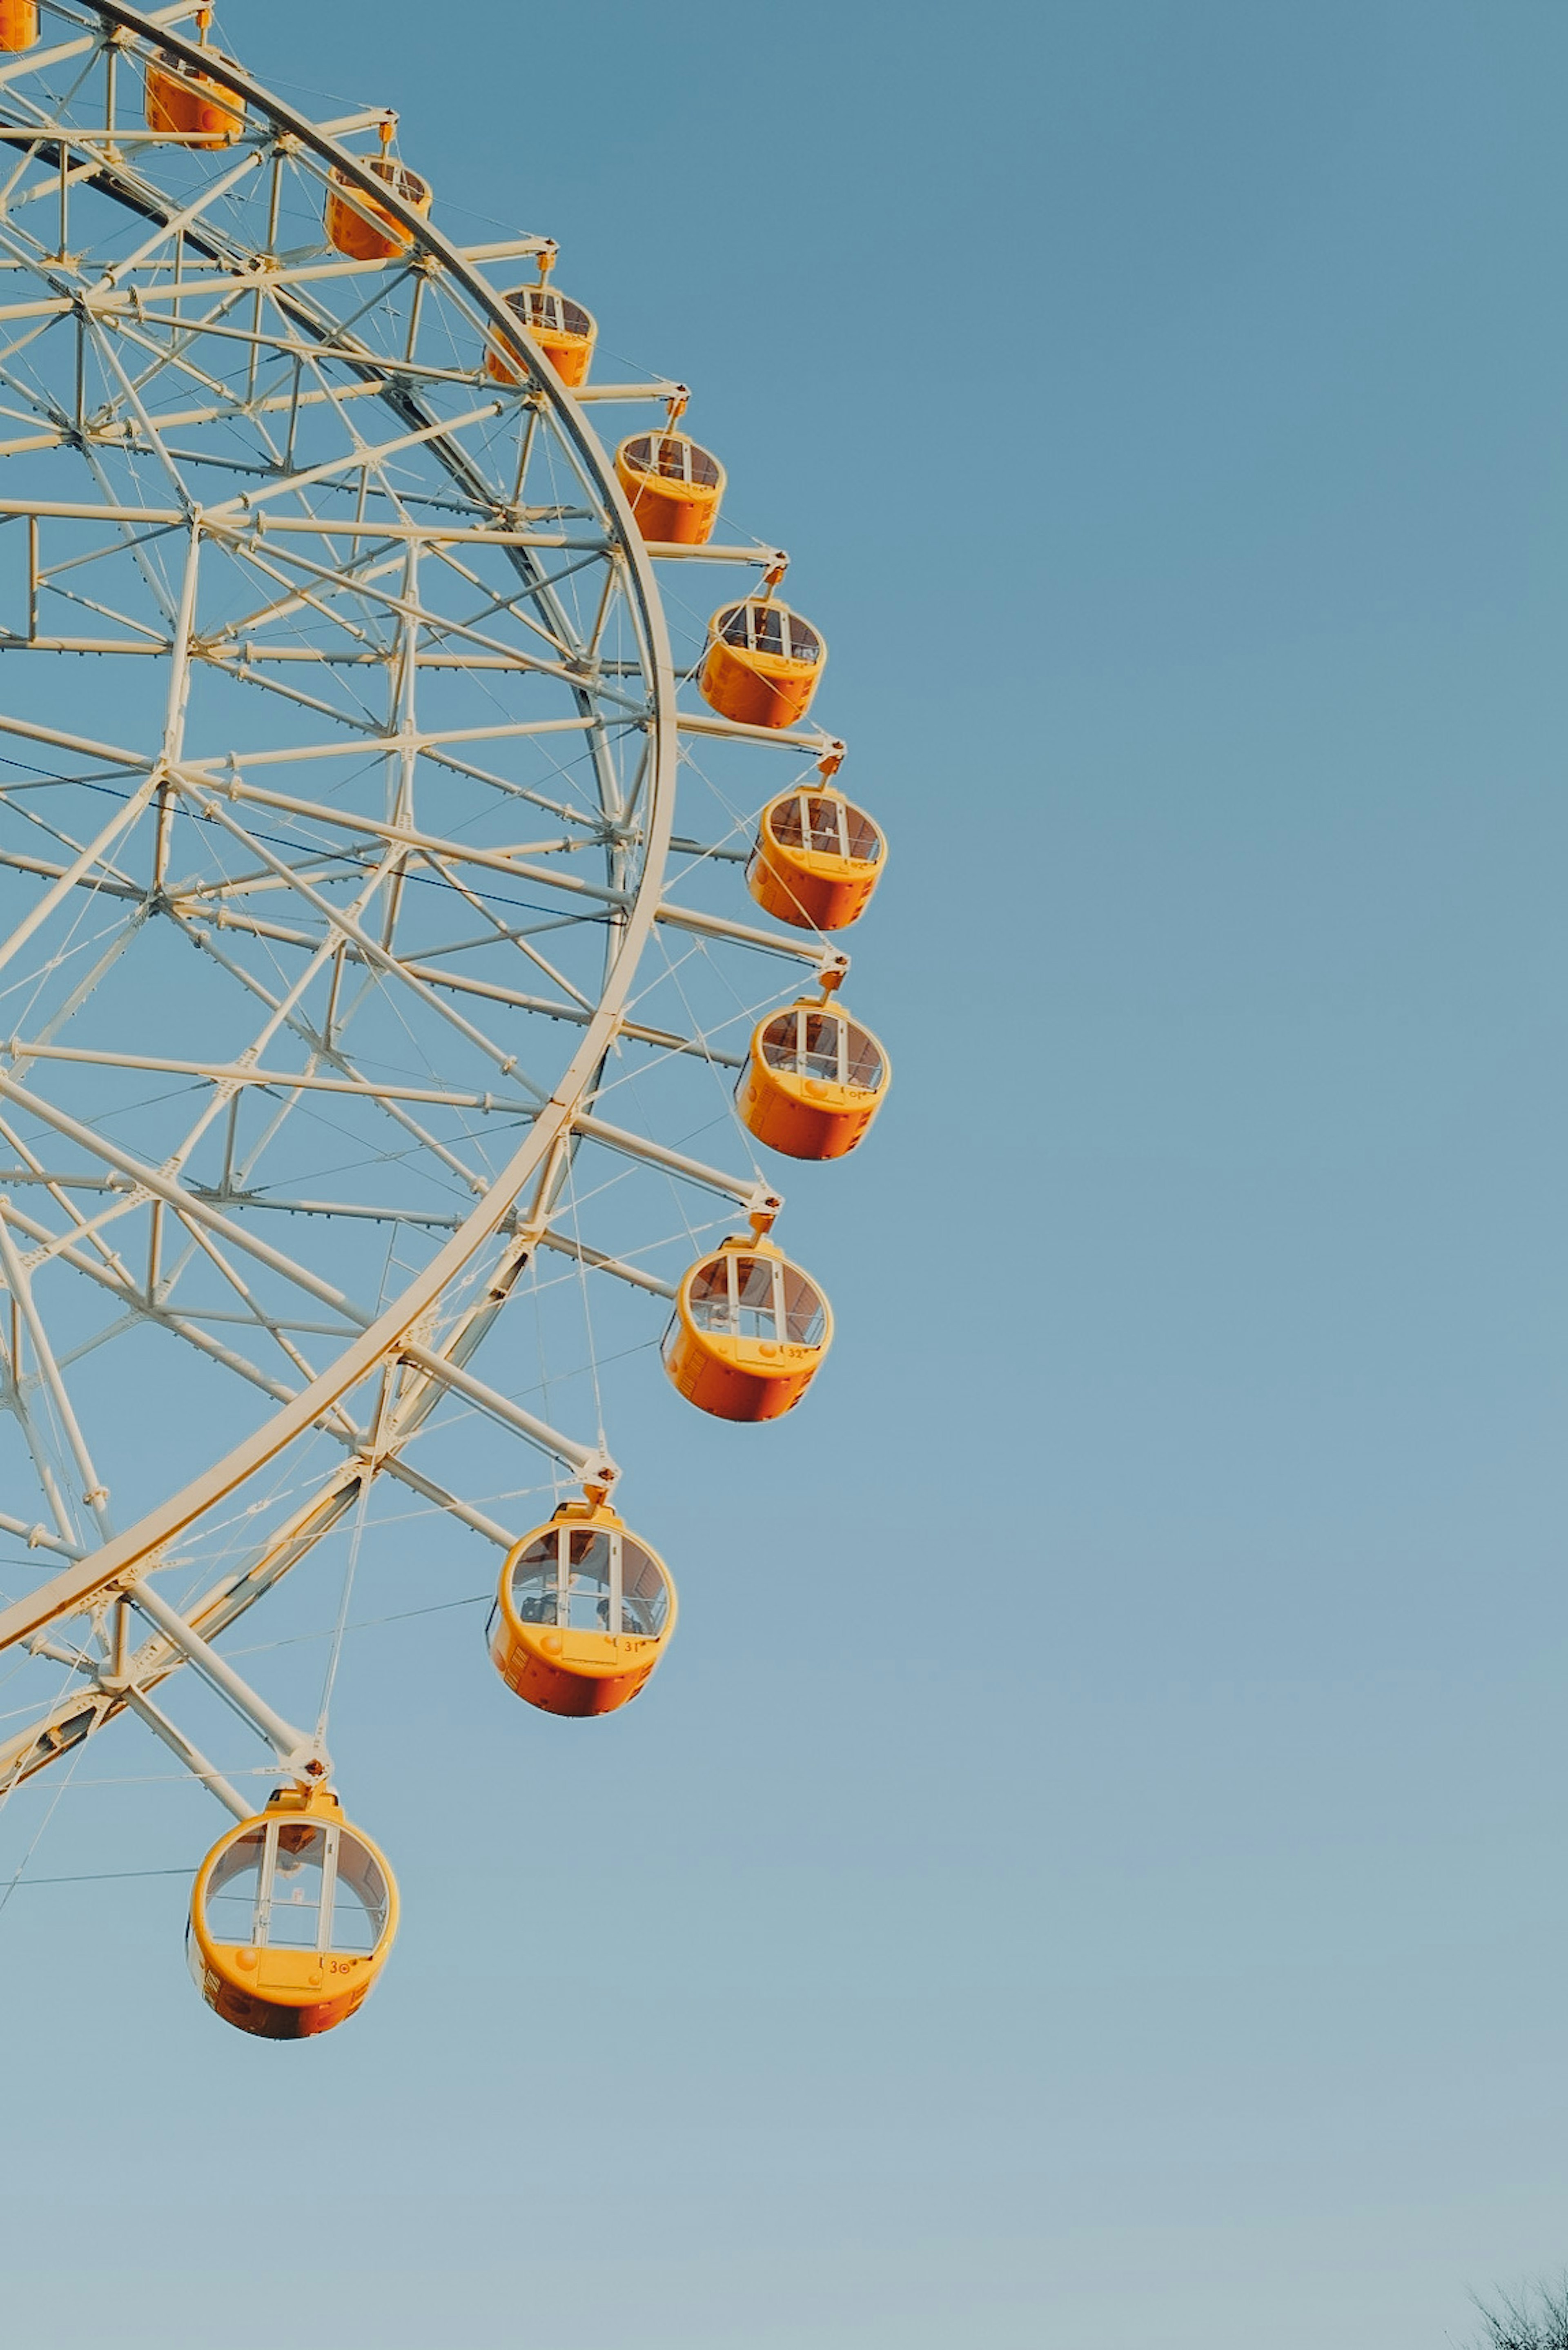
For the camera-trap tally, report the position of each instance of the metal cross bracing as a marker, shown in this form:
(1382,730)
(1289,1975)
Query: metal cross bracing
(373,952)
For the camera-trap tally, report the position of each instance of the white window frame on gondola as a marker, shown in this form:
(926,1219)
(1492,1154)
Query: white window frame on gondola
(331,1833)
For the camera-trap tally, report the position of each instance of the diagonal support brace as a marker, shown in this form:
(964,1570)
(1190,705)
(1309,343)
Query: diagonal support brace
(297,1749)
(193,1759)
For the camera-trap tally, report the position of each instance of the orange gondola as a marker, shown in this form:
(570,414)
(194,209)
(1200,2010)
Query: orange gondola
(674,486)
(181,101)
(763,663)
(563,329)
(363,229)
(818,859)
(584,1614)
(292,1918)
(749,1332)
(815,1081)
(18,25)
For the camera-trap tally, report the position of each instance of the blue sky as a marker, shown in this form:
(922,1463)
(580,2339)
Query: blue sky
(1090,1866)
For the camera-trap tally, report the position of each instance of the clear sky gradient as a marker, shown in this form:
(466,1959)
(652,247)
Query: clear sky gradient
(1092,1867)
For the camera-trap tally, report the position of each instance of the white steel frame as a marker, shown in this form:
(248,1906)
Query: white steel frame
(188,298)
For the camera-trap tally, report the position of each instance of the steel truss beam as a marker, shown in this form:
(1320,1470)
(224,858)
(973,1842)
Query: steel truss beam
(398,1345)
(391,1337)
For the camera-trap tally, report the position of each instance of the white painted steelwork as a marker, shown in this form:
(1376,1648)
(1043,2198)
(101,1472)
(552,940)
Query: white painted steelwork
(373,827)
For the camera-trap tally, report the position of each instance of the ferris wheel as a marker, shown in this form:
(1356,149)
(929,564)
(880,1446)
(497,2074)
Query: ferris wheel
(388,909)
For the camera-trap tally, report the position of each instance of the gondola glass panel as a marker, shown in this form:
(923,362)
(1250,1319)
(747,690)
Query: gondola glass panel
(584,1613)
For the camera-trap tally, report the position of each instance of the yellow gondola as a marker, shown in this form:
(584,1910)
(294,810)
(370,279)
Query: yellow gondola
(749,1332)
(818,859)
(674,486)
(563,329)
(18,25)
(815,1081)
(363,229)
(182,102)
(292,1918)
(584,1614)
(763,663)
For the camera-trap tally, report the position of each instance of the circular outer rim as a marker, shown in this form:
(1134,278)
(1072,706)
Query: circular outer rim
(68,1593)
(375,1959)
(614,1667)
